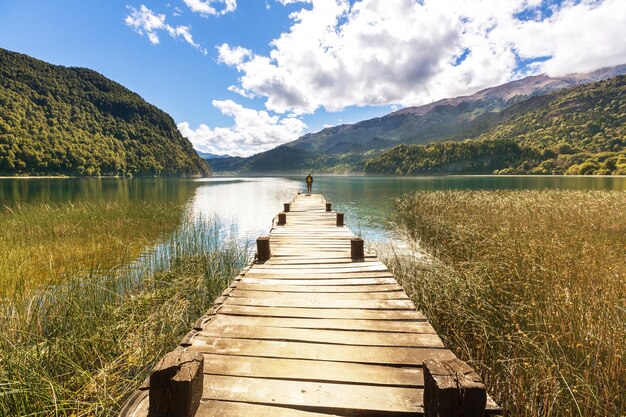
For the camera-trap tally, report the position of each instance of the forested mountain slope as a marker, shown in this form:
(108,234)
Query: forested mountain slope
(60,120)
(579,131)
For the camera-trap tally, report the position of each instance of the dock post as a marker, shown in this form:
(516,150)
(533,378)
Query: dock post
(339,219)
(287,207)
(282,219)
(357,252)
(328,205)
(176,385)
(452,389)
(263,248)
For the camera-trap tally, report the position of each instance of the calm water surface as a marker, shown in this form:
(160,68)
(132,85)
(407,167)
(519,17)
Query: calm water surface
(247,205)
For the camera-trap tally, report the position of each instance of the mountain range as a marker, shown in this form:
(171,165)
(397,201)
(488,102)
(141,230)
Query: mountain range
(74,121)
(346,148)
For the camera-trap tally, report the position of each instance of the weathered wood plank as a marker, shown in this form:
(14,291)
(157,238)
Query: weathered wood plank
(339,397)
(339,337)
(413,326)
(286,288)
(215,408)
(322,282)
(313,302)
(308,370)
(315,351)
(322,313)
(385,295)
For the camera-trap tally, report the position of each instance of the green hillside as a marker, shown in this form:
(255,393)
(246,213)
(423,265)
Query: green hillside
(581,131)
(59,120)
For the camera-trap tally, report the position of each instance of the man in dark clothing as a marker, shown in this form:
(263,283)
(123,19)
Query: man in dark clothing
(309,184)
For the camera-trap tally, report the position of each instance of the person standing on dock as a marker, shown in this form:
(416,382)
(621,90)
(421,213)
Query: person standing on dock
(309,184)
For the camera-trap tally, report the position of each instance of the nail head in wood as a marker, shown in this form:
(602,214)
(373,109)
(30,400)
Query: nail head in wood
(339,219)
(263,248)
(452,389)
(357,252)
(287,207)
(176,385)
(282,219)
(328,205)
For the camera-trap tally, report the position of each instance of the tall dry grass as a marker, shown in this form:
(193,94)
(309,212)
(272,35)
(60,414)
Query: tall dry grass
(528,286)
(81,346)
(49,243)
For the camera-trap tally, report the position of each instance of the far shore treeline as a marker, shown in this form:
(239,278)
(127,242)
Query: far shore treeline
(58,120)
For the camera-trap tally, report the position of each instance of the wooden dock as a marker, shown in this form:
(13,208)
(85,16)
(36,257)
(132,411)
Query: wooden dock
(312,331)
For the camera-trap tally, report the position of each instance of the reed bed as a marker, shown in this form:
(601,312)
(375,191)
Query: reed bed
(49,243)
(81,346)
(530,288)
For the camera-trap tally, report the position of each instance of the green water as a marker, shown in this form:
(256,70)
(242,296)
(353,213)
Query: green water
(247,205)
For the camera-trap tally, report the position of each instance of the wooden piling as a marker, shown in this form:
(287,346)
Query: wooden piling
(328,205)
(263,248)
(176,384)
(357,252)
(282,219)
(339,219)
(452,389)
(287,207)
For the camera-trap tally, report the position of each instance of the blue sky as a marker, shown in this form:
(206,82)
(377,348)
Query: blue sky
(240,77)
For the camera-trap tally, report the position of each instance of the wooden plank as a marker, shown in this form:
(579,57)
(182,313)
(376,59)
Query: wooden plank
(385,295)
(385,355)
(308,370)
(413,326)
(319,275)
(214,408)
(325,313)
(322,282)
(285,288)
(339,397)
(338,337)
(313,302)
(340,267)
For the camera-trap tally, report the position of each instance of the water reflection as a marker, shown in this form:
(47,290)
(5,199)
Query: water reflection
(248,204)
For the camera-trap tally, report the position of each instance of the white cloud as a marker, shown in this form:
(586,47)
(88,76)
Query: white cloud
(286,2)
(404,52)
(205,7)
(145,22)
(241,92)
(253,131)
(579,38)
(232,56)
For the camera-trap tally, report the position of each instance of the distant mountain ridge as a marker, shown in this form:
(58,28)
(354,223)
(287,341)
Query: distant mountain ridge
(207,155)
(64,120)
(346,147)
(578,131)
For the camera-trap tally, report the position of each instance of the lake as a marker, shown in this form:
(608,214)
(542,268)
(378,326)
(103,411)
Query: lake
(248,204)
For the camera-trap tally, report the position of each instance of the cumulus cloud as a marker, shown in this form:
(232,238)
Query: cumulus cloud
(145,22)
(206,7)
(404,52)
(253,131)
(286,2)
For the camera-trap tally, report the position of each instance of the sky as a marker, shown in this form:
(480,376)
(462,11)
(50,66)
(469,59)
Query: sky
(243,76)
